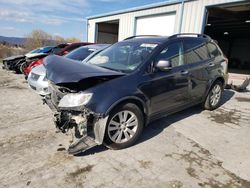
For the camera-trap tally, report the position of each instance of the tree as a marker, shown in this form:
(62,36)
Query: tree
(59,39)
(38,38)
(73,39)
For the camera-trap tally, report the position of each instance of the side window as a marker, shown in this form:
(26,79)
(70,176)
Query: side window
(213,50)
(173,53)
(195,51)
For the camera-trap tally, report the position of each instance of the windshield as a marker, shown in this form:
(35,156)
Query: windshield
(41,50)
(123,56)
(45,49)
(34,51)
(80,53)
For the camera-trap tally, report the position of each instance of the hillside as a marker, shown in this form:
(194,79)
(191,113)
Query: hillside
(13,40)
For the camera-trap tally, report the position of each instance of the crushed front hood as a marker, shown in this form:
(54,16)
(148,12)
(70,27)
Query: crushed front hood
(14,57)
(63,70)
(32,55)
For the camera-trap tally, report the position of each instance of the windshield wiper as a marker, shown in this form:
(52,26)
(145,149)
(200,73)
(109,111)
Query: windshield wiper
(112,69)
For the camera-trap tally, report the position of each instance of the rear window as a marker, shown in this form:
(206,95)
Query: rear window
(213,50)
(195,51)
(80,53)
(74,46)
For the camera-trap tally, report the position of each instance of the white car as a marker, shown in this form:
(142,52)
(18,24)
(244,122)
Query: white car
(37,80)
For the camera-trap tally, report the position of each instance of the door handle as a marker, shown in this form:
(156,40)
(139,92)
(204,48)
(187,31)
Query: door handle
(184,72)
(211,64)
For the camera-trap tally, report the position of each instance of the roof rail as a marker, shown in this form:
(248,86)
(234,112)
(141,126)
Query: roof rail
(141,36)
(190,34)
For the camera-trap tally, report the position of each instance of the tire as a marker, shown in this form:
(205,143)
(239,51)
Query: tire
(214,96)
(17,67)
(121,134)
(22,67)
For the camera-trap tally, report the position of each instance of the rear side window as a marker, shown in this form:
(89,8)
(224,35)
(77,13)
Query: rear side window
(213,50)
(195,51)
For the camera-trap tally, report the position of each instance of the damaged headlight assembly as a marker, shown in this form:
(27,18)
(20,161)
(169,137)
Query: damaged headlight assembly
(75,100)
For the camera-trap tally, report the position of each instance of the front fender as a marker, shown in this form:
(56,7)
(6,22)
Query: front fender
(109,94)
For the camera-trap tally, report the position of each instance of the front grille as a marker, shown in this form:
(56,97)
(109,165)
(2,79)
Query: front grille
(34,76)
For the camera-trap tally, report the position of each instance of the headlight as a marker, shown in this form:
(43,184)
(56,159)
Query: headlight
(75,99)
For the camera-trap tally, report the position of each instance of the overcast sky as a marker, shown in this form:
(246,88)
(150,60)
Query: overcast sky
(66,18)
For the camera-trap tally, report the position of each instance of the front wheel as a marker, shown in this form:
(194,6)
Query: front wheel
(22,67)
(214,96)
(124,126)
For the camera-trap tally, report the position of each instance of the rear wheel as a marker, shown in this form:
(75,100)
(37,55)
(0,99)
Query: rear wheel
(124,126)
(214,96)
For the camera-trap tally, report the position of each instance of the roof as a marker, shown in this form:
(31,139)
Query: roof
(154,5)
(147,39)
(95,46)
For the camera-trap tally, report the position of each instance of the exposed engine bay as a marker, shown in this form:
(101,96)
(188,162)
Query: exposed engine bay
(88,128)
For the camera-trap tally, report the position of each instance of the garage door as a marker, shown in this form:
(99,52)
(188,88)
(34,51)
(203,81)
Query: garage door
(156,25)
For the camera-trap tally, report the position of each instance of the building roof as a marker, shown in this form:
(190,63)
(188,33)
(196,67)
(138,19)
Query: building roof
(154,5)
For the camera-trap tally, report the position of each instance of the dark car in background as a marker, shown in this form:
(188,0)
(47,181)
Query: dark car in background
(10,62)
(113,95)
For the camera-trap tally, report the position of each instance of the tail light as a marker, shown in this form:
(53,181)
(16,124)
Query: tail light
(65,52)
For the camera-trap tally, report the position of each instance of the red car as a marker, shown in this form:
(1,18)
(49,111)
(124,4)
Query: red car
(61,49)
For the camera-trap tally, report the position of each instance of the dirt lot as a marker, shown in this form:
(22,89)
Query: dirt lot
(193,148)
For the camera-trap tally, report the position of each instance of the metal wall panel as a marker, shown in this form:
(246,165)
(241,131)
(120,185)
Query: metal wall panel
(193,17)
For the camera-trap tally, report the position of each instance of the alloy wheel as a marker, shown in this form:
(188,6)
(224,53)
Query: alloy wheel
(215,95)
(122,127)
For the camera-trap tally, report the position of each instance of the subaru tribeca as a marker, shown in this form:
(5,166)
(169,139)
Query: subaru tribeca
(111,97)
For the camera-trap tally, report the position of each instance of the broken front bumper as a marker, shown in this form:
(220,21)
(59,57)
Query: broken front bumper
(89,127)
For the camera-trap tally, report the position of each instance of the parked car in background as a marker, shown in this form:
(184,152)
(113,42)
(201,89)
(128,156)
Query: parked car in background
(7,62)
(71,47)
(61,49)
(37,78)
(10,61)
(112,96)
(40,53)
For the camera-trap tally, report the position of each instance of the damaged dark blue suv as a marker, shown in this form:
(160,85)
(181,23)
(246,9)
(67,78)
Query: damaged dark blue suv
(109,98)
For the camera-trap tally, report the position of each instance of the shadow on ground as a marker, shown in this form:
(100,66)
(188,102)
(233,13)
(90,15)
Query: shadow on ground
(156,127)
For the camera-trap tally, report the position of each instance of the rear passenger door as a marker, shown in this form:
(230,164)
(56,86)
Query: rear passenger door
(197,57)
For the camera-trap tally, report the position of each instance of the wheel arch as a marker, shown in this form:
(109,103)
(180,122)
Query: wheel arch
(219,78)
(132,99)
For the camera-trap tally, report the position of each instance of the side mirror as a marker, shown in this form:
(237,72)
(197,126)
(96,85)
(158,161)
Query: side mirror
(163,65)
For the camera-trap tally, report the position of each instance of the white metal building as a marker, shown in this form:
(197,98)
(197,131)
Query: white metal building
(227,21)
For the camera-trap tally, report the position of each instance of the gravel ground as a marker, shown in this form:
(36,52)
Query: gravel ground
(193,148)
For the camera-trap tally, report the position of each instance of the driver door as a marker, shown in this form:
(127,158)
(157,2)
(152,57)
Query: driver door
(168,90)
